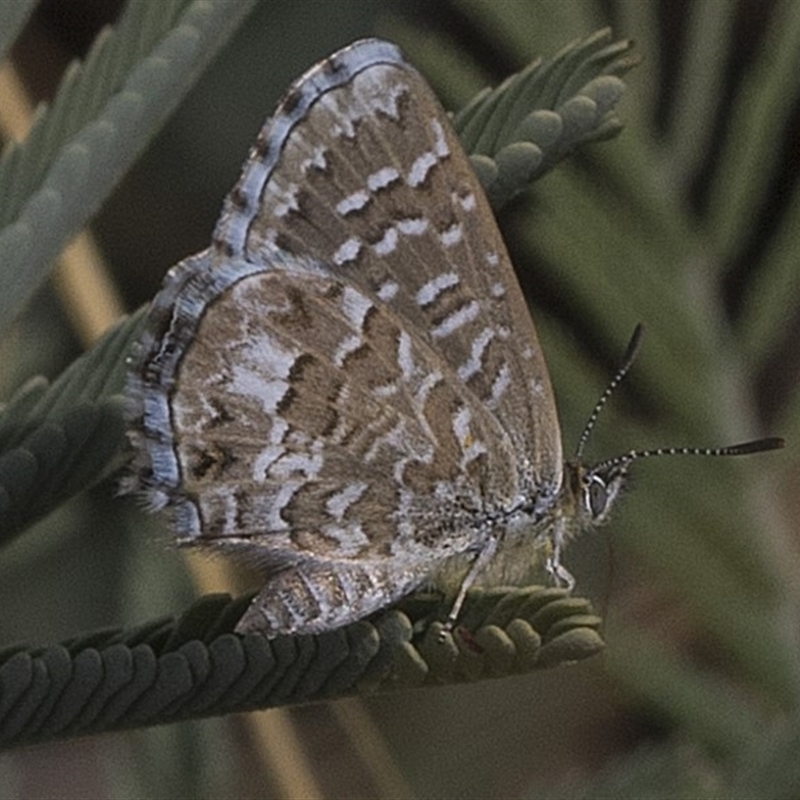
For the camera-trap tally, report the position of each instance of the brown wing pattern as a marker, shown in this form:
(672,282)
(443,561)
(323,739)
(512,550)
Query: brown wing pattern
(347,387)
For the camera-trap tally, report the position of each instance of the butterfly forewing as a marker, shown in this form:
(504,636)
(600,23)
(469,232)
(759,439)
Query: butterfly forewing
(371,184)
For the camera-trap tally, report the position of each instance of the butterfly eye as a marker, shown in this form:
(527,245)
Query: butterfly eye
(595,496)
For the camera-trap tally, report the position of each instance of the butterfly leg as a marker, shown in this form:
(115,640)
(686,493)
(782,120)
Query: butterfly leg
(559,574)
(478,565)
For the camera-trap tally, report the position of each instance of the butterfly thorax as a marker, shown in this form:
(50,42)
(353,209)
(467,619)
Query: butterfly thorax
(585,500)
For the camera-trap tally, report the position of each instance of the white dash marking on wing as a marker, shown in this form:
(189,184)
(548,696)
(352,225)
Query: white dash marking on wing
(308,464)
(473,364)
(429,382)
(473,451)
(337,504)
(353,202)
(440,147)
(347,346)
(433,288)
(273,451)
(404,358)
(452,236)
(344,116)
(382,178)
(279,429)
(420,168)
(348,251)
(387,390)
(317,161)
(387,243)
(471,448)
(413,226)
(351,541)
(264,460)
(500,383)
(461,420)
(379,91)
(286,200)
(392,438)
(282,498)
(387,290)
(261,372)
(460,317)
(355,307)
(467,201)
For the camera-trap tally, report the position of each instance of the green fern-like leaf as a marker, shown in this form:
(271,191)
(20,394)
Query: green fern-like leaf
(104,114)
(195,666)
(13,17)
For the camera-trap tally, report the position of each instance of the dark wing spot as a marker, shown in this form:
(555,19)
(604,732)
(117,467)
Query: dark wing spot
(291,100)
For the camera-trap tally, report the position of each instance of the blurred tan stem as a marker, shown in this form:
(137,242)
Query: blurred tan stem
(81,278)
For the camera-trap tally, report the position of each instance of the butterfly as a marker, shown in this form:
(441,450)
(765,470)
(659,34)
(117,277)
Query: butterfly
(345,390)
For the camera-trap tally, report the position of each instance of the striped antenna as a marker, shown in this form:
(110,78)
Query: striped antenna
(746,448)
(627,363)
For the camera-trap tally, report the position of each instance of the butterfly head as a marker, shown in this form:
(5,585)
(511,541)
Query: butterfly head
(588,494)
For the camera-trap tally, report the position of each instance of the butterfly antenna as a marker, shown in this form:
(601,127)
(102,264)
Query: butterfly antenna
(744,449)
(627,362)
